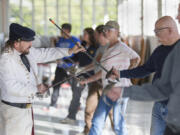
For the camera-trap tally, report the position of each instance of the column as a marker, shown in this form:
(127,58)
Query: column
(4,16)
(142,17)
(82,16)
(45,18)
(159,4)
(57,14)
(20,11)
(94,14)
(33,15)
(106,17)
(69,11)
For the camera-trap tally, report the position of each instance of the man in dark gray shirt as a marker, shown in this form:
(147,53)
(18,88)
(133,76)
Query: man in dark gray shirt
(167,87)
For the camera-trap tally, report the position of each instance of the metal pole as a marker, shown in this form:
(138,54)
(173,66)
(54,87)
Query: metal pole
(69,11)
(106,17)
(5,15)
(57,13)
(82,16)
(45,18)
(20,11)
(142,17)
(94,13)
(33,15)
(159,4)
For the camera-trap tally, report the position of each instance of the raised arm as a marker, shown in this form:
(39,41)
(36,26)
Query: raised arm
(42,55)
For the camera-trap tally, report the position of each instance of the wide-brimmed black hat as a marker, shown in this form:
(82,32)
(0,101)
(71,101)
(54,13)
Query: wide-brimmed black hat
(19,32)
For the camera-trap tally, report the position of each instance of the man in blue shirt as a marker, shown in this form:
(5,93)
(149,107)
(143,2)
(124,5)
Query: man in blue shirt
(63,66)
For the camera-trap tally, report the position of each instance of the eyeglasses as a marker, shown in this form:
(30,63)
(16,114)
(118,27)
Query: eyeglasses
(156,31)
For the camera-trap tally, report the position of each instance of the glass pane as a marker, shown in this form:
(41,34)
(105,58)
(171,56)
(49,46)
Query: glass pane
(150,16)
(39,16)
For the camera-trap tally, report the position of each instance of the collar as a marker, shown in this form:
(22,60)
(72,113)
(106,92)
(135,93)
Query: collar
(16,52)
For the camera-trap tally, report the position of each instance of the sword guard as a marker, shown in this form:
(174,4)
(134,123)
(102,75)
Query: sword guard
(110,72)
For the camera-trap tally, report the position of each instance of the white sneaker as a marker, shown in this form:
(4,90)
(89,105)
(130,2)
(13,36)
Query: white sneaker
(67,121)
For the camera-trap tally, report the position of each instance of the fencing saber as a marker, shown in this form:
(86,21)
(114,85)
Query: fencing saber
(81,72)
(97,63)
(66,79)
(84,70)
(100,61)
(77,74)
(72,61)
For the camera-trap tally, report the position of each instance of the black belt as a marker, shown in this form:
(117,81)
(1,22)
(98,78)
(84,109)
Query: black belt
(19,105)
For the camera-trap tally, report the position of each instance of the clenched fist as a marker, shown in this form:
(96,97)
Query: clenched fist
(42,88)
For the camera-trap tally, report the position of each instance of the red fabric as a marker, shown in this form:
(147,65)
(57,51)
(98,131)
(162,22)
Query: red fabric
(33,122)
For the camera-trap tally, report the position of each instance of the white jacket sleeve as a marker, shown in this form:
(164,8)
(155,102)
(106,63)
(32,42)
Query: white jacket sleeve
(42,55)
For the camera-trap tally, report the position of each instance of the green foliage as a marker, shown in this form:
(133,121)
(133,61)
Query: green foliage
(40,21)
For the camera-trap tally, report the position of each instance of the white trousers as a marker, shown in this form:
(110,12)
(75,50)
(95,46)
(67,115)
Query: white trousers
(15,121)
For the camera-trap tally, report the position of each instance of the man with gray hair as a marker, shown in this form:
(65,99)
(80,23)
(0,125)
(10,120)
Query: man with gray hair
(167,33)
(110,36)
(167,87)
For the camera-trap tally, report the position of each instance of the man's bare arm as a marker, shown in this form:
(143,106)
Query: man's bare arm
(93,78)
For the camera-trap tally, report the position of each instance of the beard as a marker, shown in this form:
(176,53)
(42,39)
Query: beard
(26,51)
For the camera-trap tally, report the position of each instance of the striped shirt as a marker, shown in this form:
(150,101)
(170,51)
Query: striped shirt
(98,56)
(120,61)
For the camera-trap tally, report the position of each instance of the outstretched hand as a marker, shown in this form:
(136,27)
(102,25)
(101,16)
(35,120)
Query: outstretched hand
(83,82)
(77,48)
(113,75)
(42,88)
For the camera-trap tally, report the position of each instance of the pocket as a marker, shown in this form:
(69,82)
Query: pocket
(9,112)
(164,111)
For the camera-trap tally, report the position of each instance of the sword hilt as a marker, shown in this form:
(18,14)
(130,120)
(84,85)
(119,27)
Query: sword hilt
(110,72)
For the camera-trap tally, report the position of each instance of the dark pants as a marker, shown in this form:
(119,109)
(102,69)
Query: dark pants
(168,131)
(60,75)
(75,102)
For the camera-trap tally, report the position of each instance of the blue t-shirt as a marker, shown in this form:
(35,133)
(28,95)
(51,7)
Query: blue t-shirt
(66,43)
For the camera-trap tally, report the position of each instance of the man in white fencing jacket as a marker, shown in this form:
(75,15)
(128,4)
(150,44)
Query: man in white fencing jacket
(18,79)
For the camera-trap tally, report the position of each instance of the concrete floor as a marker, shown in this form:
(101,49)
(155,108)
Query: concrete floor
(138,117)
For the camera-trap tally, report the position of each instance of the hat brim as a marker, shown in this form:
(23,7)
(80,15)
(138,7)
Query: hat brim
(27,39)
